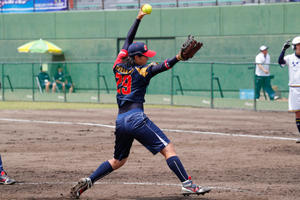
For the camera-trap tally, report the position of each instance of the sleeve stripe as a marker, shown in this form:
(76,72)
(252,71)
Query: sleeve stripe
(166,64)
(122,54)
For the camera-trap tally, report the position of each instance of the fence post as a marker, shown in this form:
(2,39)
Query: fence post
(254,88)
(172,83)
(65,93)
(32,71)
(98,82)
(3,97)
(212,85)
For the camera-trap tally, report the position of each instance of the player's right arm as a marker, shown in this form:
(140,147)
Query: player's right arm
(281,60)
(132,31)
(130,37)
(164,66)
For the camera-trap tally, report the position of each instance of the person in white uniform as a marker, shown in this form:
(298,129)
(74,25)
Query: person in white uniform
(262,73)
(293,63)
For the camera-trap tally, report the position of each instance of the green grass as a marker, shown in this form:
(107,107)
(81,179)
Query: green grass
(19,105)
(23,105)
(84,101)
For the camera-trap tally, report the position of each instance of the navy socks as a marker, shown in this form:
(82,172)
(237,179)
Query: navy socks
(173,162)
(103,170)
(177,167)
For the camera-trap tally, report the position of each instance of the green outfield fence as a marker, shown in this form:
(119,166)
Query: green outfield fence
(211,85)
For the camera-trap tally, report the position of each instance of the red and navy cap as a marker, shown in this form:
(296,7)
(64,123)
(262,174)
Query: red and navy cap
(140,48)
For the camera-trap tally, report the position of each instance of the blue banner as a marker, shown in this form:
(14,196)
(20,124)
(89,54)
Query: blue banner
(50,5)
(17,5)
(13,6)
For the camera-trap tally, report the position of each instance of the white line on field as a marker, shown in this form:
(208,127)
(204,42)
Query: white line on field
(98,183)
(167,130)
(127,183)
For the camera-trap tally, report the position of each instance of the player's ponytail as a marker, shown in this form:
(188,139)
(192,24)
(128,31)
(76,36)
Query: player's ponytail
(128,61)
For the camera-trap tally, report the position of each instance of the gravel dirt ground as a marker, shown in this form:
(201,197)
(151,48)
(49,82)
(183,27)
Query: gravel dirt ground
(47,156)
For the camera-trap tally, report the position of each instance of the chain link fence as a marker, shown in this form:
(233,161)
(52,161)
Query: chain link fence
(211,85)
(135,4)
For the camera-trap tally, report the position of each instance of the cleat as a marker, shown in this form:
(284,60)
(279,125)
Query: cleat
(189,188)
(298,140)
(5,180)
(82,185)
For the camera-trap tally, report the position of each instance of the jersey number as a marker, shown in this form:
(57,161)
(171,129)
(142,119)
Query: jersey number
(126,83)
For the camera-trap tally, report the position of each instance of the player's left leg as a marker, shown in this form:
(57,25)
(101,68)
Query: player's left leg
(298,124)
(174,163)
(156,141)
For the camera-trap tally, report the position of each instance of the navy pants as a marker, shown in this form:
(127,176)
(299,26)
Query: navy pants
(134,124)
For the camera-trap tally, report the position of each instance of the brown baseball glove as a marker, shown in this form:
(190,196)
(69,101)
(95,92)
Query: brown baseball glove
(189,48)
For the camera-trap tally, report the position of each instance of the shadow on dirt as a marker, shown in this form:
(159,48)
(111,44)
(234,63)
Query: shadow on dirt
(171,198)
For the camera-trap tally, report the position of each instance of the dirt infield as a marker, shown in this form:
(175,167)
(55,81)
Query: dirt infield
(47,158)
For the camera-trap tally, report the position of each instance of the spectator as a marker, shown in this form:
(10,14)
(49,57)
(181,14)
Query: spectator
(262,73)
(61,81)
(44,80)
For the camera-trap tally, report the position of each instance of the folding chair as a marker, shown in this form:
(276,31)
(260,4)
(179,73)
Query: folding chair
(38,84)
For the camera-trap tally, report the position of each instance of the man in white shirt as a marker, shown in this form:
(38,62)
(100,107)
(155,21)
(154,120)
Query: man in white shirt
(262,73)
(293,63)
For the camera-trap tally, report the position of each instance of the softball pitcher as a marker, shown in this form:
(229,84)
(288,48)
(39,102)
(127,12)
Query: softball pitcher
(293,63)
(133,74)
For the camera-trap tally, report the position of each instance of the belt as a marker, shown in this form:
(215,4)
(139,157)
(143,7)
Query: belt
(129,106)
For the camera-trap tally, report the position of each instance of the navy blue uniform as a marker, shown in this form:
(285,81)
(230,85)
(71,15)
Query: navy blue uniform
(132,123)
(132,81)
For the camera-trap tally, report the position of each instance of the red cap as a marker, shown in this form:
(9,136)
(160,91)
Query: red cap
(140,48)
(149,53)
